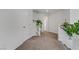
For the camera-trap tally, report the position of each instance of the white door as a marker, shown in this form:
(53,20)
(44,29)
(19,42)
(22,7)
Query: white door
(45,23)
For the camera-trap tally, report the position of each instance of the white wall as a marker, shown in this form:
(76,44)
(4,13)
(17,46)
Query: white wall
(58,18)
(12,31)
(74,15)
(55,19)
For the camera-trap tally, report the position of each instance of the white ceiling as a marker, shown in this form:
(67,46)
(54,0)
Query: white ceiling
(46,10)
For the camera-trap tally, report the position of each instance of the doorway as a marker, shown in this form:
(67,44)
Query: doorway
(45,23)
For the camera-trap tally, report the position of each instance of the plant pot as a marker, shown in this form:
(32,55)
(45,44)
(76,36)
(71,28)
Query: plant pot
(75,37)
(75,43)
(38,31)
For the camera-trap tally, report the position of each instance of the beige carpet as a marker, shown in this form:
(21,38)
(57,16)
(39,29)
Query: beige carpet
(47,41)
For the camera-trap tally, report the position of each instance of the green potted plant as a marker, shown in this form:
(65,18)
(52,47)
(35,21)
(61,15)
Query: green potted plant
(71,29)
(38,26)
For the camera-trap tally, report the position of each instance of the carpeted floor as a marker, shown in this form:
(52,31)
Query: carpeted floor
(47,41)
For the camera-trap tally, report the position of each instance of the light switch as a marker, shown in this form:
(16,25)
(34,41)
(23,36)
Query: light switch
(24,26)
